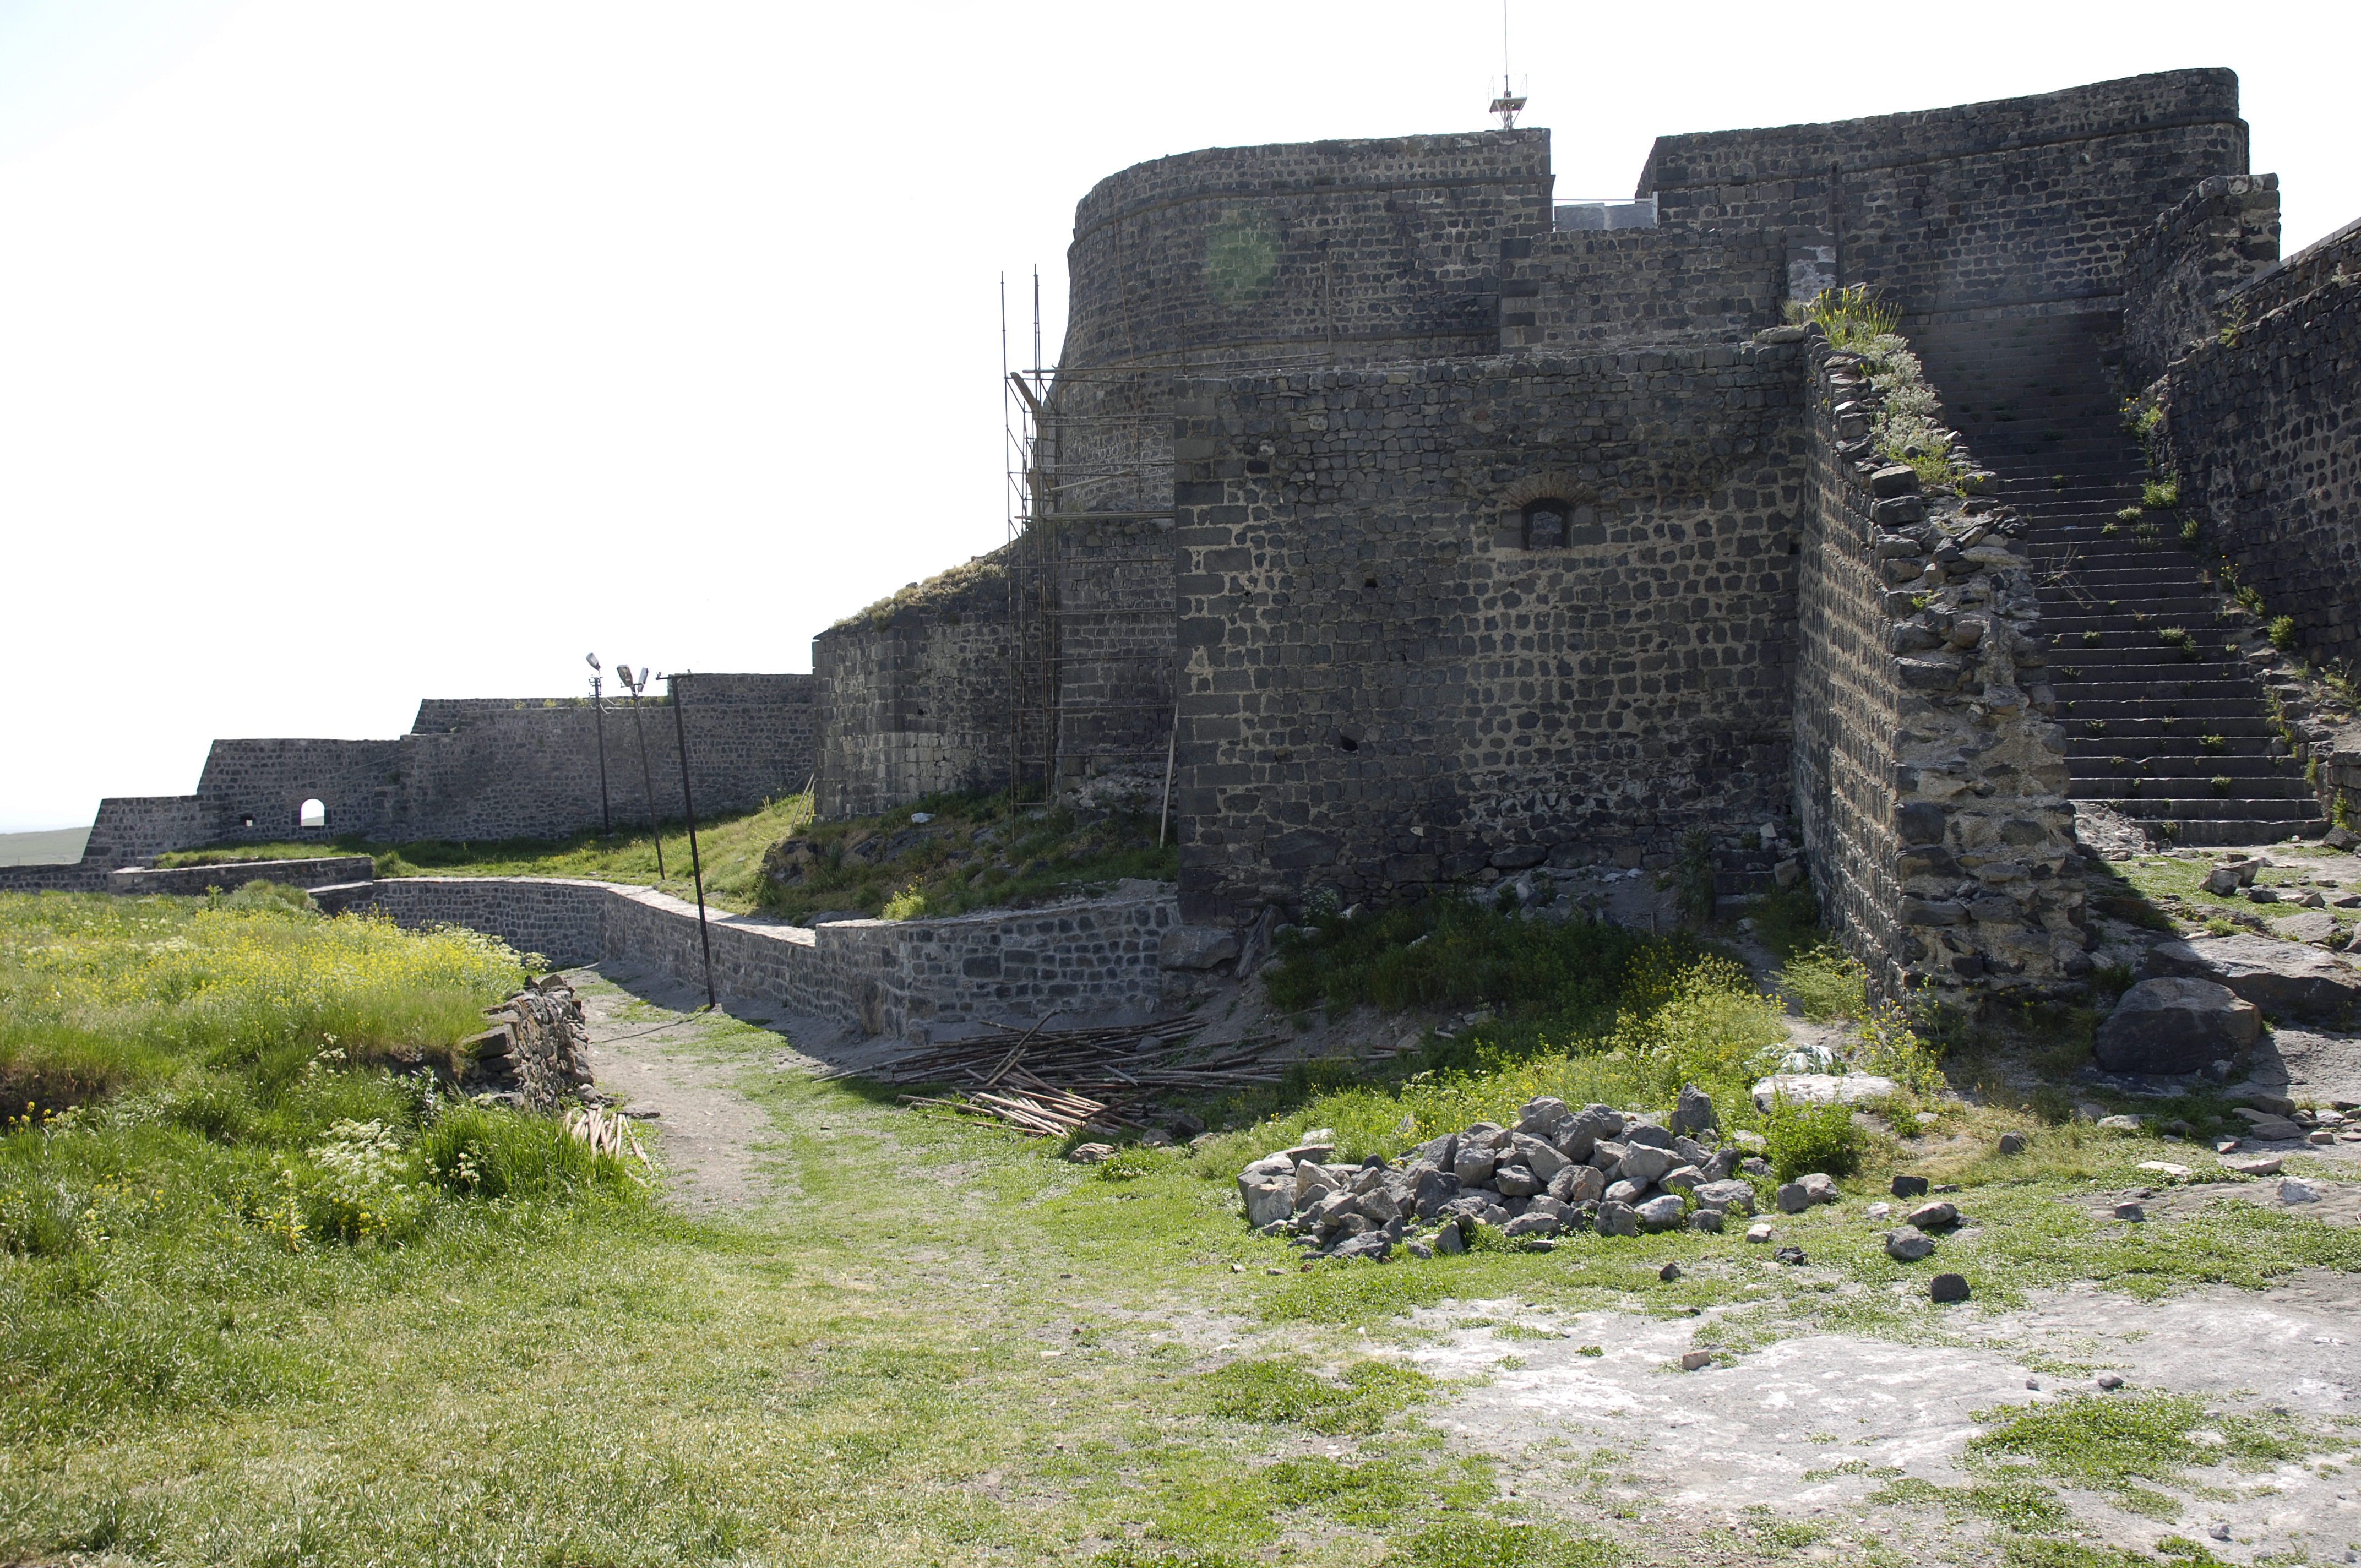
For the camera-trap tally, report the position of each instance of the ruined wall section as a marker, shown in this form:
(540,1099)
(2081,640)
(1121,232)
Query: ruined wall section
(1385,688)
(128,830)
(2262,431)
(908,978)
(2010,206)
(2219,235)
(1929,774)
(1586,292)
(912,696)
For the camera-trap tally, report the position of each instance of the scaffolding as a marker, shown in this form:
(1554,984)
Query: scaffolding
(1087,448)
(1090,676)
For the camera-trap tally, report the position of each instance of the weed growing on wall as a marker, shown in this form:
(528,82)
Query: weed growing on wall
(1909,427)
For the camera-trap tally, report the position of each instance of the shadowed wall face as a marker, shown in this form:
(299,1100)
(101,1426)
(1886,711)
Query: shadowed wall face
(1481,614)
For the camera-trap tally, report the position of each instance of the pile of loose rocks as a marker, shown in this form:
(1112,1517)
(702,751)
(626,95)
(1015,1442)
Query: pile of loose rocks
(536,1055)
(1618,1173)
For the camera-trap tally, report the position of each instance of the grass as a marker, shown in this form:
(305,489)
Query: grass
(100,995)
(2114,1442)
(974,852)
(978,852)
(732,849)
(2167,893)
(1453,952)
(1017,1361)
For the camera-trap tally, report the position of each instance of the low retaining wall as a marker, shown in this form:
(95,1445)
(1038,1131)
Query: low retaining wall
(879,976)
(328,871)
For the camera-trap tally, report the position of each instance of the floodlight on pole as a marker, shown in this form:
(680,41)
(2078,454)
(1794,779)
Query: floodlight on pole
(647,772)
(689,808)
(598,727)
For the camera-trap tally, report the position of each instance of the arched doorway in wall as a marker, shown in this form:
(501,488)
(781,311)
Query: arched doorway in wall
(311,813)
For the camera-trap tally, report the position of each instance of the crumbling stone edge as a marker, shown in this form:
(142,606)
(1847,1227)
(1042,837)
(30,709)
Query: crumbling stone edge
(1932,778)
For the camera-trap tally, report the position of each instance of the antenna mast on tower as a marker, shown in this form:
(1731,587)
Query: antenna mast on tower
(1508,104)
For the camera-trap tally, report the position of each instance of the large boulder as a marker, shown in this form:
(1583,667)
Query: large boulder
(1645,1164)
(1665,1213)
(2276,976)
(1579,1133)
(1694,1111)
(2174,1026)
(1821,1089)
(1737,1195)
(1578,1184)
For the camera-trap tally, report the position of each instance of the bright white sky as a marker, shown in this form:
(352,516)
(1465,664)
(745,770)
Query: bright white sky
(355,353)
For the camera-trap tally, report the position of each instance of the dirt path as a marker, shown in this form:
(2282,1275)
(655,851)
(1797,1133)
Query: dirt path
(651,1053)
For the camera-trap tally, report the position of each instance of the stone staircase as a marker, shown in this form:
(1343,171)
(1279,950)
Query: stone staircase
(2154,733)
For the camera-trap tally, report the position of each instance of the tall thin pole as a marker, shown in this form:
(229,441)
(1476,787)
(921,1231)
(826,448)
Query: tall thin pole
(680,733)
(647,774)
(1171,752)
(598,721)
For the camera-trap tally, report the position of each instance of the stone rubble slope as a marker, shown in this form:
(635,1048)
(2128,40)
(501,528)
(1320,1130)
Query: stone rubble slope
(1558,1170)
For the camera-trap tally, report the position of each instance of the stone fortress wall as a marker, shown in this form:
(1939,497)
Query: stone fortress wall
(1327,254)
(913,699)
(1387,684)
(470,770)
(1443,544)
(1981,209)
(1374,354)
(2262,431)
(911,978)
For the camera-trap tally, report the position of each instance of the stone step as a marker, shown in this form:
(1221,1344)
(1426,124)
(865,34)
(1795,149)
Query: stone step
(2065,585)
(2178,766)
(2292,815)
(2135,660)
(2101,687)
(2194,616)
(2198,716)
(2215,834)
(2183,741)
(2094,549)
(2276,796)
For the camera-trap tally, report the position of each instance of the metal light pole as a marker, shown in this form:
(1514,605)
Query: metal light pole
(647,774)
(598,722)
(680,733)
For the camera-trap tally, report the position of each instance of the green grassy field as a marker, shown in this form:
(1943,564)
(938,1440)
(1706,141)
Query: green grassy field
(237,1327)
(978,851)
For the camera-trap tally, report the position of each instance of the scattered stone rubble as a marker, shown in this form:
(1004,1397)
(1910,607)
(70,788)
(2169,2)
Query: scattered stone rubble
(536,1055)
(1618,1173)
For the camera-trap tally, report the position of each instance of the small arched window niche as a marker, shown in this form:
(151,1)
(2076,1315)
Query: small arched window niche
(311,813)
(1548,524)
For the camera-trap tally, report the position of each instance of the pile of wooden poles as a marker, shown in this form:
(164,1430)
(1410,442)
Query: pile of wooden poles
(605,1131)
(1050,1084)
